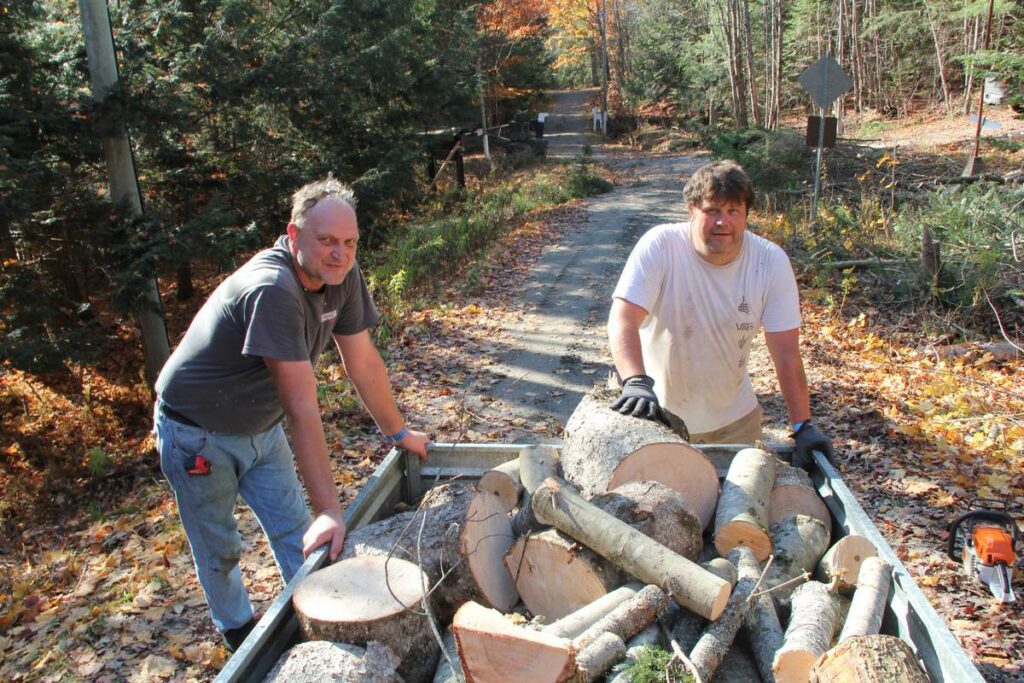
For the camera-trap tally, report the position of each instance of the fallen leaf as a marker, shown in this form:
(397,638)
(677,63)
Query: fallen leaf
(153,668)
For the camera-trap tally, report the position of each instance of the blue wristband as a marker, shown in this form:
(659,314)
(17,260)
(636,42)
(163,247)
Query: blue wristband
(395,438)
(798,425)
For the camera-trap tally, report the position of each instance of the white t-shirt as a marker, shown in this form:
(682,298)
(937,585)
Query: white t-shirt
(541,116)
(702,318)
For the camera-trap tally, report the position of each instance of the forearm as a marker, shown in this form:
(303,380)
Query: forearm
(624,342)
(784,348)
(309,444)
(370,378)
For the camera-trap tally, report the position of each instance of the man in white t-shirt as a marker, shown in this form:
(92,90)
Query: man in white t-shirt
(688,304)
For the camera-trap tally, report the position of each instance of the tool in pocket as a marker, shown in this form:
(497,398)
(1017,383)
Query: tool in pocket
(197,466)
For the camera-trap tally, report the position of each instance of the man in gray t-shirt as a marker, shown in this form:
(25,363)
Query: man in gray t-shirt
(246,364)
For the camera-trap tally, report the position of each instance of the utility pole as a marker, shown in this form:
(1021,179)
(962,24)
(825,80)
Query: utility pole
(973,159)
(124,186)
(602,20)
(483,109)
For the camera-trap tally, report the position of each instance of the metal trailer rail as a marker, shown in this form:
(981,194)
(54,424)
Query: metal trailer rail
(401,477)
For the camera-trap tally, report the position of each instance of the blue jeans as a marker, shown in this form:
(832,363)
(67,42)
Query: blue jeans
(261,468)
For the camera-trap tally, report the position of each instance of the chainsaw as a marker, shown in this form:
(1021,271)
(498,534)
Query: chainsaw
(987,536)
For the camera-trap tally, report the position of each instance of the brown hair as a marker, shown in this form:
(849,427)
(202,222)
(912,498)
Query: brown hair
(723,181)
(307,196)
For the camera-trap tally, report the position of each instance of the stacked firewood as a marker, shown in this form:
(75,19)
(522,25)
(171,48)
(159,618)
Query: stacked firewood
(604,546)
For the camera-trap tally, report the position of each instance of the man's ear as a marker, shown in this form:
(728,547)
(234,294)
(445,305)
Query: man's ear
(293,231)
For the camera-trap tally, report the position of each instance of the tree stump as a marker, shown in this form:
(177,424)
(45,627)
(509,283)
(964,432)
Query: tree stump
(503,482)
(554,575)
(812,624)
(869,659)
(465,535)
(658,512)
(366,599)
(843,560)
(742,515)
(799,543)
(794,494)
(869,600)
(604,449)
(319,660)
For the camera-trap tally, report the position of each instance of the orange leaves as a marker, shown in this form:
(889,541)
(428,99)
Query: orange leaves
(515,19)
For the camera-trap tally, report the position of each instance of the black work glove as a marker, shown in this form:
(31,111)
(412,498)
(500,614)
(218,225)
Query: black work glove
(638,399)
(808,439)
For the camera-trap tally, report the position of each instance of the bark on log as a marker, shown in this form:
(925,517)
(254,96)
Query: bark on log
(555,576)
(715,642)
(492,649)
(799,543)
(869,659)
(688,584)
(737,667)
(503,482)
(320,660)
(869,600)
(688,629)
(465,536)
(649,637)
(658,512)
(579,621)
(742,515)
(598,657)
(722,568)
(843,561)
(812,625)
(444,672)
(628,618)
(765,634)
(366,599)
(604,449)
(536,463)
(794,494)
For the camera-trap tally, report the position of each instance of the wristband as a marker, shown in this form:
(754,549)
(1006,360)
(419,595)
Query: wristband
(395,438)
(799,425)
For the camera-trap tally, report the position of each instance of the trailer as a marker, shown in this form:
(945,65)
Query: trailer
(402,478)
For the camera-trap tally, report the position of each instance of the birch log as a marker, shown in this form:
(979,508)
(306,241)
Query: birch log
(693,587)
(579,621)
(742,515)
(799,543)
(715,642)
(536,463)
(869,600)
(604,449)
(658,512)
(812,624)
(843,560)
(765,634)
(503,482)
(794,494)
(598,651)
(599,656)
(869,659)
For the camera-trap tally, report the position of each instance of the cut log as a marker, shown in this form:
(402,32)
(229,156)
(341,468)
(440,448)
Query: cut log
(604,449)
(579,621)
(765,633)
(462,534)
(742,515)
(869,600)
(444,672)
(649,637)
(658,512)
(494,650)
(366,599)
(320,660)
(715,642)
(812,624)
(794,494)
(843,560)
(555,576)
(503,482)
(869,659)
(799,543)
(628,618)
(536,463)
(693,587)
(722,568)
(598,657)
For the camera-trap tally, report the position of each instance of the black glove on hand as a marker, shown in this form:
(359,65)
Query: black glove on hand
(638,399)
(808,439)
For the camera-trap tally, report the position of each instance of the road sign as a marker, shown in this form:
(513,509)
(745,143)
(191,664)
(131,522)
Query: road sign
(825,80)
(986,123)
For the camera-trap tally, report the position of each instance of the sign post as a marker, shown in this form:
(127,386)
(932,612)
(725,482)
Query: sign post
(824,81)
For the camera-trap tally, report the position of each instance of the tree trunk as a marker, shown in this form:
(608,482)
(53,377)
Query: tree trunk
(799,543)
(658,512)
(843,561)
(812,624)
(869,600)
(742,516)
(794,494)
(870,659)
(604,449)
(503,482)
(321,660)
(366,599)
(690,585)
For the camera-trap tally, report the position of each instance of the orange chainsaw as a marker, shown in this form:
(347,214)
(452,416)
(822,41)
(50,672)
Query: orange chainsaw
(987,537)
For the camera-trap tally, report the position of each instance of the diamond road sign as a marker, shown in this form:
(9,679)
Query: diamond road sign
(825,80)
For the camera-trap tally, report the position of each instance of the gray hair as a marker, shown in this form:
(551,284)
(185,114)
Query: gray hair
(307,196)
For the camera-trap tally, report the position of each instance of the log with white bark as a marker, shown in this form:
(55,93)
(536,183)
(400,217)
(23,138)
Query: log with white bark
(843,560)
(494,650)
(599,656)
(579,621)
(765,633)
(715,642)
(722,568)
(812,624)
(536,463)
(794,494)
(869,600)
(555,575)
(364,599)
(604,449)
(687,629)
(799,542)
(321,660)
(649,637)
(458,536)
(503,482)
(693,587)
(658,512)
(869,659)
(742,515)
(597,651)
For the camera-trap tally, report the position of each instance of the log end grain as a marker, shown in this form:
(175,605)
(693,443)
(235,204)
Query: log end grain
(743,533)
(503,482)
(843,561)
(363,589)
(486,537)
(789,500)
(794,666)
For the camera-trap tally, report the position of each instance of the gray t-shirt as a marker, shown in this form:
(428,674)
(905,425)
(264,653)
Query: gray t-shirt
(217,377)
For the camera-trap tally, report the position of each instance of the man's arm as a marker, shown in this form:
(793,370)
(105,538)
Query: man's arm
(624,323)
(296,387)
(368,372)
(784,348)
